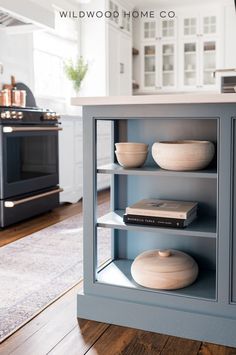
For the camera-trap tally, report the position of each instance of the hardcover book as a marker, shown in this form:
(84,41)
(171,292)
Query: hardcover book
(162,208)
(159,221)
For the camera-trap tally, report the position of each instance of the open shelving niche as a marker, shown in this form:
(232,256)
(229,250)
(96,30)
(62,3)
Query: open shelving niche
(198,239)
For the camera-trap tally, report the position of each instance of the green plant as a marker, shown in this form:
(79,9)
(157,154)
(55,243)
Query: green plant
(76,72)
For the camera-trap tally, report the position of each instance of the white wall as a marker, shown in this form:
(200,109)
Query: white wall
(93,49)
(17,57)
(230,36)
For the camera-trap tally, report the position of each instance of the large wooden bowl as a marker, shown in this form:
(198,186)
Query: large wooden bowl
(164,269)
(183,155)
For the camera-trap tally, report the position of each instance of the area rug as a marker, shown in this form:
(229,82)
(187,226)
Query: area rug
(38,269)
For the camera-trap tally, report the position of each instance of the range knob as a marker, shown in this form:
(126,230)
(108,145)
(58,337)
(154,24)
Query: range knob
(3,115)
(7,114)
(19,115)
(50,116)
(47,116)
(13,115)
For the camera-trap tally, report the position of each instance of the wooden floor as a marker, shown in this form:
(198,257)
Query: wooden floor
(57,331)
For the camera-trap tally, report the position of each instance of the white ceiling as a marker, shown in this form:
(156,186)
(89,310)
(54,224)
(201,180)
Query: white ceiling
(167,3)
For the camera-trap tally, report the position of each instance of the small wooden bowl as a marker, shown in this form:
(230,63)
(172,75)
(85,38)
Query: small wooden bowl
(164,269)
(131,147)
(183,155)
(131,160)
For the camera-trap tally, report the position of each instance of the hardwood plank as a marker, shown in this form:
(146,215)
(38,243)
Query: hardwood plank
(212,349)
(127,341)
(146,343)
(40,321)
(80,339)
(42,341)
(181,346)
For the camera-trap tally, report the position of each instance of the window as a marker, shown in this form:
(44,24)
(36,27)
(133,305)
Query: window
(51,49)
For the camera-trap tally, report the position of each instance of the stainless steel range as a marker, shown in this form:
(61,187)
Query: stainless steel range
(29,175)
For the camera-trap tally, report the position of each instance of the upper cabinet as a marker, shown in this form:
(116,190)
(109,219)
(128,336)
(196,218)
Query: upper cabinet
(199,50)
(159,54)
(119,48)
(120,18)
(167,29)
(149,30)
(181,53)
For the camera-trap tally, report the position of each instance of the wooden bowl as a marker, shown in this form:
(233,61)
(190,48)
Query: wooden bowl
(131,160)
(164,269)
(131,147)
(183,155)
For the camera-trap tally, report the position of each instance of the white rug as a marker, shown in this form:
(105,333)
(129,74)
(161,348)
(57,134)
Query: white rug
(36,270)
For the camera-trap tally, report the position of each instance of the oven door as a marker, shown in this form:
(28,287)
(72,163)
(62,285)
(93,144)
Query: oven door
(29,159)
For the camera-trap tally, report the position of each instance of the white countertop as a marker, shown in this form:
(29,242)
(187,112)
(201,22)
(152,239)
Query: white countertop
(202,98)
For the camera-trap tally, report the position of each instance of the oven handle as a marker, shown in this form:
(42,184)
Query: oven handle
(11,204)
(30,129)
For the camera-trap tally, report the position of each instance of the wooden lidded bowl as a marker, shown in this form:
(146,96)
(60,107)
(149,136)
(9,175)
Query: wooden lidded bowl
(164,269)
(183,155)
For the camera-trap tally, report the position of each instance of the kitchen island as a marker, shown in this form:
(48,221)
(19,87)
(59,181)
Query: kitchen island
(205,310)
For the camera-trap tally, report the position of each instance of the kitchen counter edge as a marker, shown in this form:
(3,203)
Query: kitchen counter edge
(154,99)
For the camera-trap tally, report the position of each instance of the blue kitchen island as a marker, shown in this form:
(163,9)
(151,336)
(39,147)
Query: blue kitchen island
(205,310)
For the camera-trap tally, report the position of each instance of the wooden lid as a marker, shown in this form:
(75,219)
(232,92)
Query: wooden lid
(164,269)
(167,260)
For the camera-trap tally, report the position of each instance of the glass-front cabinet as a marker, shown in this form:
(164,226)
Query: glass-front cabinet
(190,26)
(120,16)
(199,51)
(180,53)
(159,55)
(149,30)
(149,54)
(168,29)
(190,63)
(167,48)
(209,61)
(168,73)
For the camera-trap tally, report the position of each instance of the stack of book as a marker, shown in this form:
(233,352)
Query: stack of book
(161,213)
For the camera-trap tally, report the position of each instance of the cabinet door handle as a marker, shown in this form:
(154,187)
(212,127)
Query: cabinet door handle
(122,68)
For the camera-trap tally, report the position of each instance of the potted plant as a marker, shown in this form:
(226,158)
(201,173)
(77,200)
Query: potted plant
(76,72)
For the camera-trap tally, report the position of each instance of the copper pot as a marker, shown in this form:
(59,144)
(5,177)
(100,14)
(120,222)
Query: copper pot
(18,98)
(5,97)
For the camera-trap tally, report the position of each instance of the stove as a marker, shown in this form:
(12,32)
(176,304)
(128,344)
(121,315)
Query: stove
(27,115)
(29,178)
